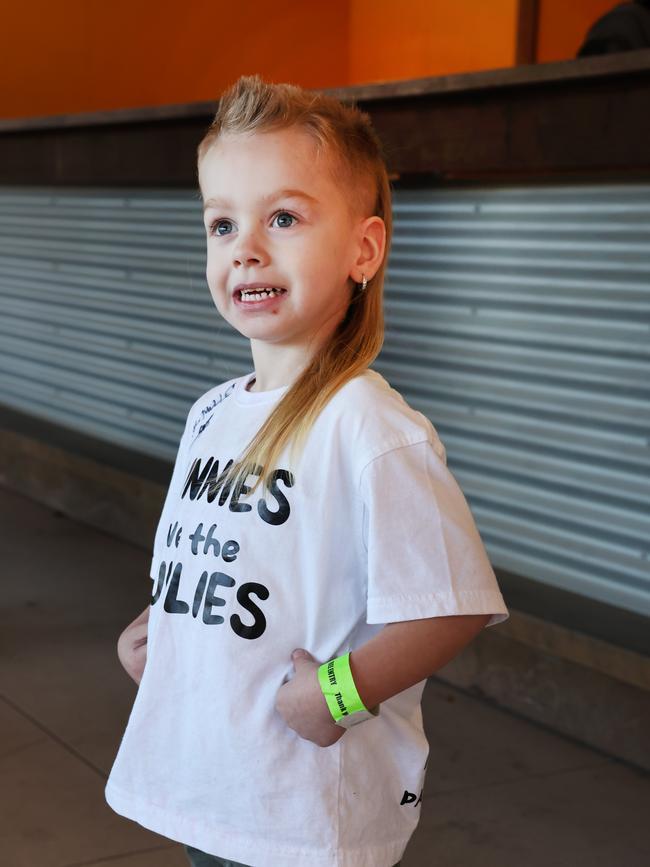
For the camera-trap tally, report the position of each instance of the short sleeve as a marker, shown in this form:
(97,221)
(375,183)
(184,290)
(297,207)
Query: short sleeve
(424,553)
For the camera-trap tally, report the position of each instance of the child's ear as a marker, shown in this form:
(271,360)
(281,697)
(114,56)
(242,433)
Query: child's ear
(373,247)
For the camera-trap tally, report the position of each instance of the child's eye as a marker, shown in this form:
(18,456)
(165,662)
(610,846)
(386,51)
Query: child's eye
(285,214)
(216,223)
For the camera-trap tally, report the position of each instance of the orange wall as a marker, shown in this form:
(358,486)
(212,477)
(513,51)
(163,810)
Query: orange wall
(563,25)
(395,40)
(89,55)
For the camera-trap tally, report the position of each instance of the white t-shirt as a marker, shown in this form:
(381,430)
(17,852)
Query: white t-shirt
(370,528)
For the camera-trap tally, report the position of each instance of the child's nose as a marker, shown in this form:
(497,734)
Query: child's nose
(249,248)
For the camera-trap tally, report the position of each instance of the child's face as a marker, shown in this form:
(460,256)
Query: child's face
(307,247)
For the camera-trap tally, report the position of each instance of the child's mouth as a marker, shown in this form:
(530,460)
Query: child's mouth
(260,299)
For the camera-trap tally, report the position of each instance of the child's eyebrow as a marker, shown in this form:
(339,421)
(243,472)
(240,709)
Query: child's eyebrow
(218,201)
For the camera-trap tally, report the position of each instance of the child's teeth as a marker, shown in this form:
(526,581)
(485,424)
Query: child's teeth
(249,295)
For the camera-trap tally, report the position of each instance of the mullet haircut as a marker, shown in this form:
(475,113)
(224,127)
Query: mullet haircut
(348,146)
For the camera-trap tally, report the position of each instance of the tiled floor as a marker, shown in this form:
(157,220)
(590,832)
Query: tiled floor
(499,790)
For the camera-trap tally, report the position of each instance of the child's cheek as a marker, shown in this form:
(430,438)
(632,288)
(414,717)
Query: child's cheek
(218,287)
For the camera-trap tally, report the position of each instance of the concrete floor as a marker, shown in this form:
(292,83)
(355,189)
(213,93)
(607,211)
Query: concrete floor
(499,790)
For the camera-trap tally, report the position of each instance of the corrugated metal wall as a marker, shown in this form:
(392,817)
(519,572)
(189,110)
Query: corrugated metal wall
(518,321)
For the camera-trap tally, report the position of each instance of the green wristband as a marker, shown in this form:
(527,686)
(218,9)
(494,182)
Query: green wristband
(335,678)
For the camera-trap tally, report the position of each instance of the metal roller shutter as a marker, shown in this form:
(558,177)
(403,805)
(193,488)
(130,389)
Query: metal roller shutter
(518,321)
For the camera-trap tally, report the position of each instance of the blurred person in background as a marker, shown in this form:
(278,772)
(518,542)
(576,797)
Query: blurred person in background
(626,27)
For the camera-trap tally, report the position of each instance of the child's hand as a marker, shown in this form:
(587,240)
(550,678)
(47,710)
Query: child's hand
(132,650)
(300,701)
(132,645)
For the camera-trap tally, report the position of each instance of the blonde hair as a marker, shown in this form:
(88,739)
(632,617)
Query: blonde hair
(346,136)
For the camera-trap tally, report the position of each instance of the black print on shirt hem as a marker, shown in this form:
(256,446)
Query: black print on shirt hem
(411,797)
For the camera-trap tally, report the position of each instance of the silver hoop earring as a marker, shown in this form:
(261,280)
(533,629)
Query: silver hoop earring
(364,281)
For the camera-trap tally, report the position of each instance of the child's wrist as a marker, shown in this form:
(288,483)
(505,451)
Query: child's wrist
(343,700)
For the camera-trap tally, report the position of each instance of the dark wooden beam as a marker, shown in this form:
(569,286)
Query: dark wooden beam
(587,130)
(582,118)
(527,20)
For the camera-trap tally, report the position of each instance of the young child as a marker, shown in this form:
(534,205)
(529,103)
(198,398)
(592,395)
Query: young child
(311,510)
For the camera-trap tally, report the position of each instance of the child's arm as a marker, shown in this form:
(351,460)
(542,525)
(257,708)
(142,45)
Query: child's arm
(132,646)
(404,653)
(399,656)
